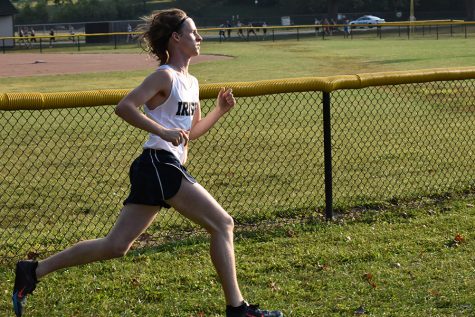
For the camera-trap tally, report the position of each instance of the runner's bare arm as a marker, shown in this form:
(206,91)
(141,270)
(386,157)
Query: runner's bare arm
(158,83)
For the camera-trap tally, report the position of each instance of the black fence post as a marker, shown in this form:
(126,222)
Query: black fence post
(41,45)
(465,25)
(115,41)
(437,29)
(79,45)
(327,149)
(273,36)
(3,46)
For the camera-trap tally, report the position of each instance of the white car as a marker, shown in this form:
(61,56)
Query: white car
(367,19)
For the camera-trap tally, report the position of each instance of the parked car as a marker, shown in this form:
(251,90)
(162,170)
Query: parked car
(367,19)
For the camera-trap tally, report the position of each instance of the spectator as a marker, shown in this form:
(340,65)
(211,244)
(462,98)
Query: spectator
(32,35)
(239,32)
(71,33)
(317,25)
(250,30)
(264,30)
(51,38)
(229,26)
(129,31)
(346,29)
(222,32)
(326,27)
(333,28)
(21,35)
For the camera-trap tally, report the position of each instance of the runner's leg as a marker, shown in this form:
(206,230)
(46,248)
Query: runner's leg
(132,221)
(196,204)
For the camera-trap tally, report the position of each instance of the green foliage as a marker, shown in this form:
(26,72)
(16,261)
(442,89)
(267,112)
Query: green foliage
(32,15)
(90,10)
(95,10)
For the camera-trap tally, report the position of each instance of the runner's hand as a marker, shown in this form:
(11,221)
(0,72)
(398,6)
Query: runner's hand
(225,100)
(176,136)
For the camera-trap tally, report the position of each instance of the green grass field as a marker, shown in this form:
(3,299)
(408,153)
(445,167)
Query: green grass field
(404,252)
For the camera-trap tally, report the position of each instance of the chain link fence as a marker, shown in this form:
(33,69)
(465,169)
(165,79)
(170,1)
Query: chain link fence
(64,172)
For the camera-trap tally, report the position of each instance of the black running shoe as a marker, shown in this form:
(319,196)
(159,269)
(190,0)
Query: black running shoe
(246,310)
(25,283)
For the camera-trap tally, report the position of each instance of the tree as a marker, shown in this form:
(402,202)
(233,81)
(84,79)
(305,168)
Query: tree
(333,8)
(470,9)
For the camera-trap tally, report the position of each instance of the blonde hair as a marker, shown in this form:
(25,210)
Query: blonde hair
(157,30)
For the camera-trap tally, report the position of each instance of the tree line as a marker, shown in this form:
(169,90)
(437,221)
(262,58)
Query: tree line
(95,10)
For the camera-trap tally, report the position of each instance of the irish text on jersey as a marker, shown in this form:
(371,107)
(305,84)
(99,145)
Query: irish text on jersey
(186,108)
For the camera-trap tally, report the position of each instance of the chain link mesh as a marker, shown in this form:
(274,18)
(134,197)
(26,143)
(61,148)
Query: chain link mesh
(64,172)
(401,141)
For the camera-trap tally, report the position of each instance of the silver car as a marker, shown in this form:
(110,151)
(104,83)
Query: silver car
(367,19)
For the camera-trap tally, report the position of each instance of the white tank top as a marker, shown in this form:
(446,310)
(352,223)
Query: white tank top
(176,112)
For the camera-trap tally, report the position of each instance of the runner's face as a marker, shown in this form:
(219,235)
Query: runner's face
(190,39)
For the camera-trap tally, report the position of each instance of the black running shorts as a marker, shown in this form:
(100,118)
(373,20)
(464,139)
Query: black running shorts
(155,176)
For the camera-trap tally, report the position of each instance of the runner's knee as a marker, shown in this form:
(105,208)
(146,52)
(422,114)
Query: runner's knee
(117,249)
(224,225)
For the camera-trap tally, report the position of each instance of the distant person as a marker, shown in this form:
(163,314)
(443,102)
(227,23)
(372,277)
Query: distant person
(346,28)
(129,31)
(32,35)
(326,26)
(239,31)
(264,30)
(222,32)
(250,30)
(21,35)
(72,33)
(26,39)
(333,27)
(317,23)
(51,38)
(229,26)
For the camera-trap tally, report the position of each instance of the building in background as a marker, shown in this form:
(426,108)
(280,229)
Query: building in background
(7,11)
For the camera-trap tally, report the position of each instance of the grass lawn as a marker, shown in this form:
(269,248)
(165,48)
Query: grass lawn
(407,255)
(282,59)
(413,259)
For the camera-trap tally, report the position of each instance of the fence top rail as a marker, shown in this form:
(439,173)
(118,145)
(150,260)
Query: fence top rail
(53,100)
(271,27)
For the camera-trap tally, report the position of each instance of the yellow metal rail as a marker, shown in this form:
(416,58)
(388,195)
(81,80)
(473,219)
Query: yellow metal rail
(38,100)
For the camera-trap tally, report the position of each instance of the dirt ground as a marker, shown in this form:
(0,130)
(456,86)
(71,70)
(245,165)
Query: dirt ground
(17,65)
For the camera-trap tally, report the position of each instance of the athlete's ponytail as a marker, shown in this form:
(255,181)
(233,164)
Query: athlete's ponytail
(157,30)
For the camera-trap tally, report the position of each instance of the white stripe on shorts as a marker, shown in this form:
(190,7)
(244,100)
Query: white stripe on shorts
(156,171)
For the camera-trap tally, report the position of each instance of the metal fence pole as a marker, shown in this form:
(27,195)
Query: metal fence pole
(41,45)
(3,45)
(327,149)
(79,45)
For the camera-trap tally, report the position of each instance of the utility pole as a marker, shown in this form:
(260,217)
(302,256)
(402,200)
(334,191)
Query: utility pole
(412,17)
